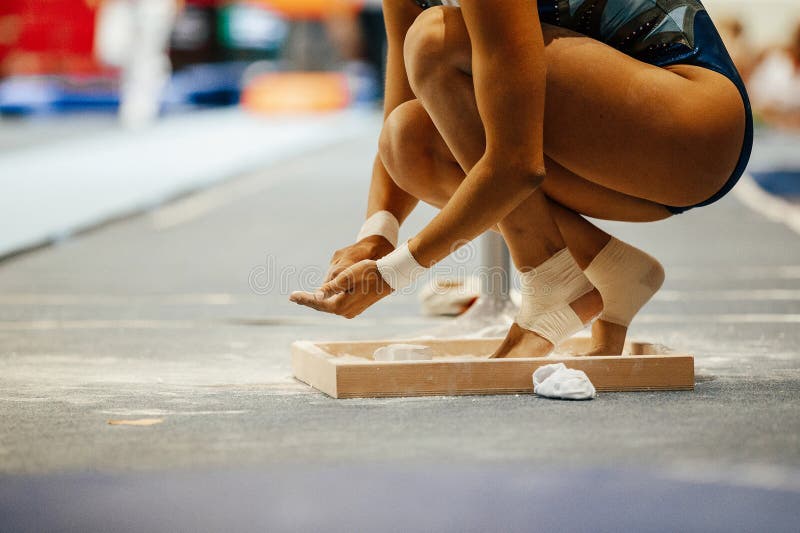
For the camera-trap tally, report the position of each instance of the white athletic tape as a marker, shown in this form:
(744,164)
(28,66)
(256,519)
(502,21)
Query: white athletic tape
(627,278)
(547,292)
(556,325)
(399,268)
(382,223)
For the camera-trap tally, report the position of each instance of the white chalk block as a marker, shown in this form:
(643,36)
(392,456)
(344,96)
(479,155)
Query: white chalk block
(403,352)
(559,382)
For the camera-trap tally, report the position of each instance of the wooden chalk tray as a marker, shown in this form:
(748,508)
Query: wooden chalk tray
(460,366)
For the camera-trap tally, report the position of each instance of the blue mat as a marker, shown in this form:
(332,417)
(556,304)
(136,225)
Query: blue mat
(779,182)
(392,498)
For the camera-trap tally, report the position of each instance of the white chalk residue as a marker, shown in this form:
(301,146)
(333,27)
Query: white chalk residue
(559,382)
(441,358)
(403,352)
(487,317)
(489,332)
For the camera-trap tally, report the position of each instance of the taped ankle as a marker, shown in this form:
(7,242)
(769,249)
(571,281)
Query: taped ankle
(627,278)
(547,292)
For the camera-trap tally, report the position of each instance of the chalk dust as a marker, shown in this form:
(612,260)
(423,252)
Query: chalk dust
(139,422)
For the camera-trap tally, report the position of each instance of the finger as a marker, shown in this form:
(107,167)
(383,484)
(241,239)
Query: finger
(318,305)
(314,300)
(332,305)
(353,304)
(298,295)
(343,282)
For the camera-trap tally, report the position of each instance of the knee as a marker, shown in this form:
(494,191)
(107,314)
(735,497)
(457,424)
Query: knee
(425,48)
(405,142)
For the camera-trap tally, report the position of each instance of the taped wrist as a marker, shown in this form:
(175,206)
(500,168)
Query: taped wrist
(382,223)
(627,278)
(547,292)
(399,269)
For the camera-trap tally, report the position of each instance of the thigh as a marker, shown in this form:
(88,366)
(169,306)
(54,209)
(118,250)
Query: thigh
(562,186)
(592,200)
(669,135)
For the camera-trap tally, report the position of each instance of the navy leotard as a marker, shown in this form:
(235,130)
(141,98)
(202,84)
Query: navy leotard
(658,32)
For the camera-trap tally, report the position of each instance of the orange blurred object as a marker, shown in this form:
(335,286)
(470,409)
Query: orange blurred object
(297,92)
(312,9)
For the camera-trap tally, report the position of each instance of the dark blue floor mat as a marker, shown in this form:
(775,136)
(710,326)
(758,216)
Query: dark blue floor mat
(779,182)
(392,498)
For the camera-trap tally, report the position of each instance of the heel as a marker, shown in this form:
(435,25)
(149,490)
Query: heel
(627,279)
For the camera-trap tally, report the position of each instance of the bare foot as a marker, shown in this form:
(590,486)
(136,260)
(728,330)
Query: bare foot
(607,338)
(520,342)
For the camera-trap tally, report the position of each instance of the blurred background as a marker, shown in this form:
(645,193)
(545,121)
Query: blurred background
(140,59)
(118,105)
(178,94)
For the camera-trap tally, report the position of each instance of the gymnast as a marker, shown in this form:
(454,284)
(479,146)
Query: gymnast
(527,117)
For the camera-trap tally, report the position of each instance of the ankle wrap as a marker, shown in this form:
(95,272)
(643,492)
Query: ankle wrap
(626,277)
(547,292)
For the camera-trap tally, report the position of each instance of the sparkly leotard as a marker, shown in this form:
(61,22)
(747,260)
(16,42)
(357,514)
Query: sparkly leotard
(644,29)
(658,32)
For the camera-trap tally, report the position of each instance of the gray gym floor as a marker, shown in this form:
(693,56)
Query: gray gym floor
(168,315)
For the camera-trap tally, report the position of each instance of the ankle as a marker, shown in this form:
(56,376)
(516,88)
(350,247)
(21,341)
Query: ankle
(588,306)
(547,294)
(627,278)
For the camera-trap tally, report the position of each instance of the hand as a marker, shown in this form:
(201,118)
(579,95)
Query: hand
(348,294)
(373,247)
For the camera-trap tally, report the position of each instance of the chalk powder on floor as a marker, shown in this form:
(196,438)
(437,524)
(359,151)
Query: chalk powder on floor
(138,422)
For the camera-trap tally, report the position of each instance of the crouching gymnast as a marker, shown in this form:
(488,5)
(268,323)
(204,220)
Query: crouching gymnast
(527,116)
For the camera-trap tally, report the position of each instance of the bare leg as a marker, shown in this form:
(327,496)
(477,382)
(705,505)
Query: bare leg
(421,163)
(530,247)
(650,154)
(585,241)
